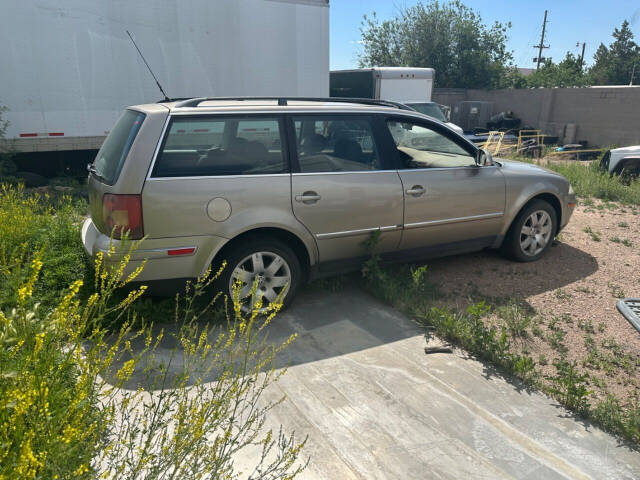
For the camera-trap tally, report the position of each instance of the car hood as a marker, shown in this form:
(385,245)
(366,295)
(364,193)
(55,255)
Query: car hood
(625,150)
(526,168)
(455,127)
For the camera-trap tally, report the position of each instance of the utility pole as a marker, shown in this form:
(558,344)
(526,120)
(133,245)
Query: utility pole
(582,55)
(539,58)
(633,73)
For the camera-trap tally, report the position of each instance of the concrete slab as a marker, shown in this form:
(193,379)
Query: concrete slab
(375,406)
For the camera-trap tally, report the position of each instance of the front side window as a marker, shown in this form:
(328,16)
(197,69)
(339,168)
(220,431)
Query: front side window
(114,151)
(420,147)
(335,144)
(215,146)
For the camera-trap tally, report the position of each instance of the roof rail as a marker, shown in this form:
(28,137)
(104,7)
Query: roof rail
(283,101)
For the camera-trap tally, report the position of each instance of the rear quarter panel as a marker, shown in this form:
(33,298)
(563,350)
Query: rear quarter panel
(178,207)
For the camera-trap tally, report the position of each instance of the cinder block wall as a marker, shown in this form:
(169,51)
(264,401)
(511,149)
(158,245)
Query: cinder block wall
(603,115)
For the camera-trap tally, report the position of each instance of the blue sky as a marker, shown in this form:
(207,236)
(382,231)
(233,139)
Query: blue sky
(569,22)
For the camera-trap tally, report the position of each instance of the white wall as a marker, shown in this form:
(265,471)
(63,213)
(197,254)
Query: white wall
(70,67)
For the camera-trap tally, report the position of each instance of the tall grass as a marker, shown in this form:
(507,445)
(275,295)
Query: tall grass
(30,223)
(592,181)
(81,401)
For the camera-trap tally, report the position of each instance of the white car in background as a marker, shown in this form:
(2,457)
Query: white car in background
(623,161)
(433,110)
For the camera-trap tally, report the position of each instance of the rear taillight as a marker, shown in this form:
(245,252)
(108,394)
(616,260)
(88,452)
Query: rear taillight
(123,214)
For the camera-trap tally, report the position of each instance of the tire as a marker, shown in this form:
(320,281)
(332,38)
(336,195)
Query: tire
(271,277)
(524,238)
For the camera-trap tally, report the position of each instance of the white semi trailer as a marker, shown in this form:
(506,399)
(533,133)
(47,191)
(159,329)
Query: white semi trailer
(69,68)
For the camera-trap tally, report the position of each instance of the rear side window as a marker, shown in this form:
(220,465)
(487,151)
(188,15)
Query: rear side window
(218,146)
(114,151)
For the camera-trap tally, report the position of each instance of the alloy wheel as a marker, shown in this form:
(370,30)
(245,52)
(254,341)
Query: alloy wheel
(536,233)
(272,274)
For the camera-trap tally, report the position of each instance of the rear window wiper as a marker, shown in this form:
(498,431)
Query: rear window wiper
(92,170)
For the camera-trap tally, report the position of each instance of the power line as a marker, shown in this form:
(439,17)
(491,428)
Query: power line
(523,55)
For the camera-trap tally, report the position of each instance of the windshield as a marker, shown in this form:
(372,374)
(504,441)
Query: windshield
(429,108)
(116,146)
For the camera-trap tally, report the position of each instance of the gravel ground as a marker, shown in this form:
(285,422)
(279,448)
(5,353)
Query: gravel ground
(573,290)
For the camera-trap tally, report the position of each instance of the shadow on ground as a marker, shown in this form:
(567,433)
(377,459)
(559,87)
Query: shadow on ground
(492,275)
(330,324)
(326,325)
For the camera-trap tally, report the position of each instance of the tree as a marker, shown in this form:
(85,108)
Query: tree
(7,166)
(567,73)
(614,65)
(449,37)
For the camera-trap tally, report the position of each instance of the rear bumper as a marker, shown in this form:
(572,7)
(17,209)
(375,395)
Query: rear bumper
(160,264)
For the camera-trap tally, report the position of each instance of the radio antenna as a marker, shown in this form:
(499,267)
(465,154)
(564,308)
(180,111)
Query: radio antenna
(166,99)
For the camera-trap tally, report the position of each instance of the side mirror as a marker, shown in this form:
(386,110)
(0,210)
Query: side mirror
(484,158)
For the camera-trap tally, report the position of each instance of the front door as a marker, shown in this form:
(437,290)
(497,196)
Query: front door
(450,203)
(341,188)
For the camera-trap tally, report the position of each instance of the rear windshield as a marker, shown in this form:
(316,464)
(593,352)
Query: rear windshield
(115,148)
(430,109)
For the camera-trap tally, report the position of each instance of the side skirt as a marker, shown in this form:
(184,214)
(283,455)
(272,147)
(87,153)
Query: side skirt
(337,267)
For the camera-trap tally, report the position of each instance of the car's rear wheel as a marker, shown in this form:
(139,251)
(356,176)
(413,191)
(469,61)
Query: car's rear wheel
(531,233)
(267,263)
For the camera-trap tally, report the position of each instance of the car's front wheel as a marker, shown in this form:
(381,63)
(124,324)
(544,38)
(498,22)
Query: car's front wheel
(262,269)
(531,233)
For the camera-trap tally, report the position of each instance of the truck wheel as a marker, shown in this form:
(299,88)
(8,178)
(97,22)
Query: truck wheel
(267,261)
(531,233)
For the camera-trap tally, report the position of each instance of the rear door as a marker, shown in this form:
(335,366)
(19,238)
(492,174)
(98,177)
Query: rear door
(342,186)
(450,203)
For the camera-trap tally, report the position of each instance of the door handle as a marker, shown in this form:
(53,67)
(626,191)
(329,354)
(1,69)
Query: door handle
(416,190)
(308,198)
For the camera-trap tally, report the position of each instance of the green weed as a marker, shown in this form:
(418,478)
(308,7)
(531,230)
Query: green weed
(516,318)
(570,387)
(623,420)
(616,290)
(586,325)
(595,236)
(562,294)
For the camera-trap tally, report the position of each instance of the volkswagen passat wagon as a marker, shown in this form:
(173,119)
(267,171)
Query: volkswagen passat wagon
(288,190)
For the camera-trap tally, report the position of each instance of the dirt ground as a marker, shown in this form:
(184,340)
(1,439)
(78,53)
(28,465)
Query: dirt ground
(570,295)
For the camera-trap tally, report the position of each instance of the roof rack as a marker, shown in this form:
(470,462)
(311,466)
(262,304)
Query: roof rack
(283,101)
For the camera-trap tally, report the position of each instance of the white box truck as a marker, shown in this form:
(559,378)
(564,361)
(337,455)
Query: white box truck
(69,68)
(398,84)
